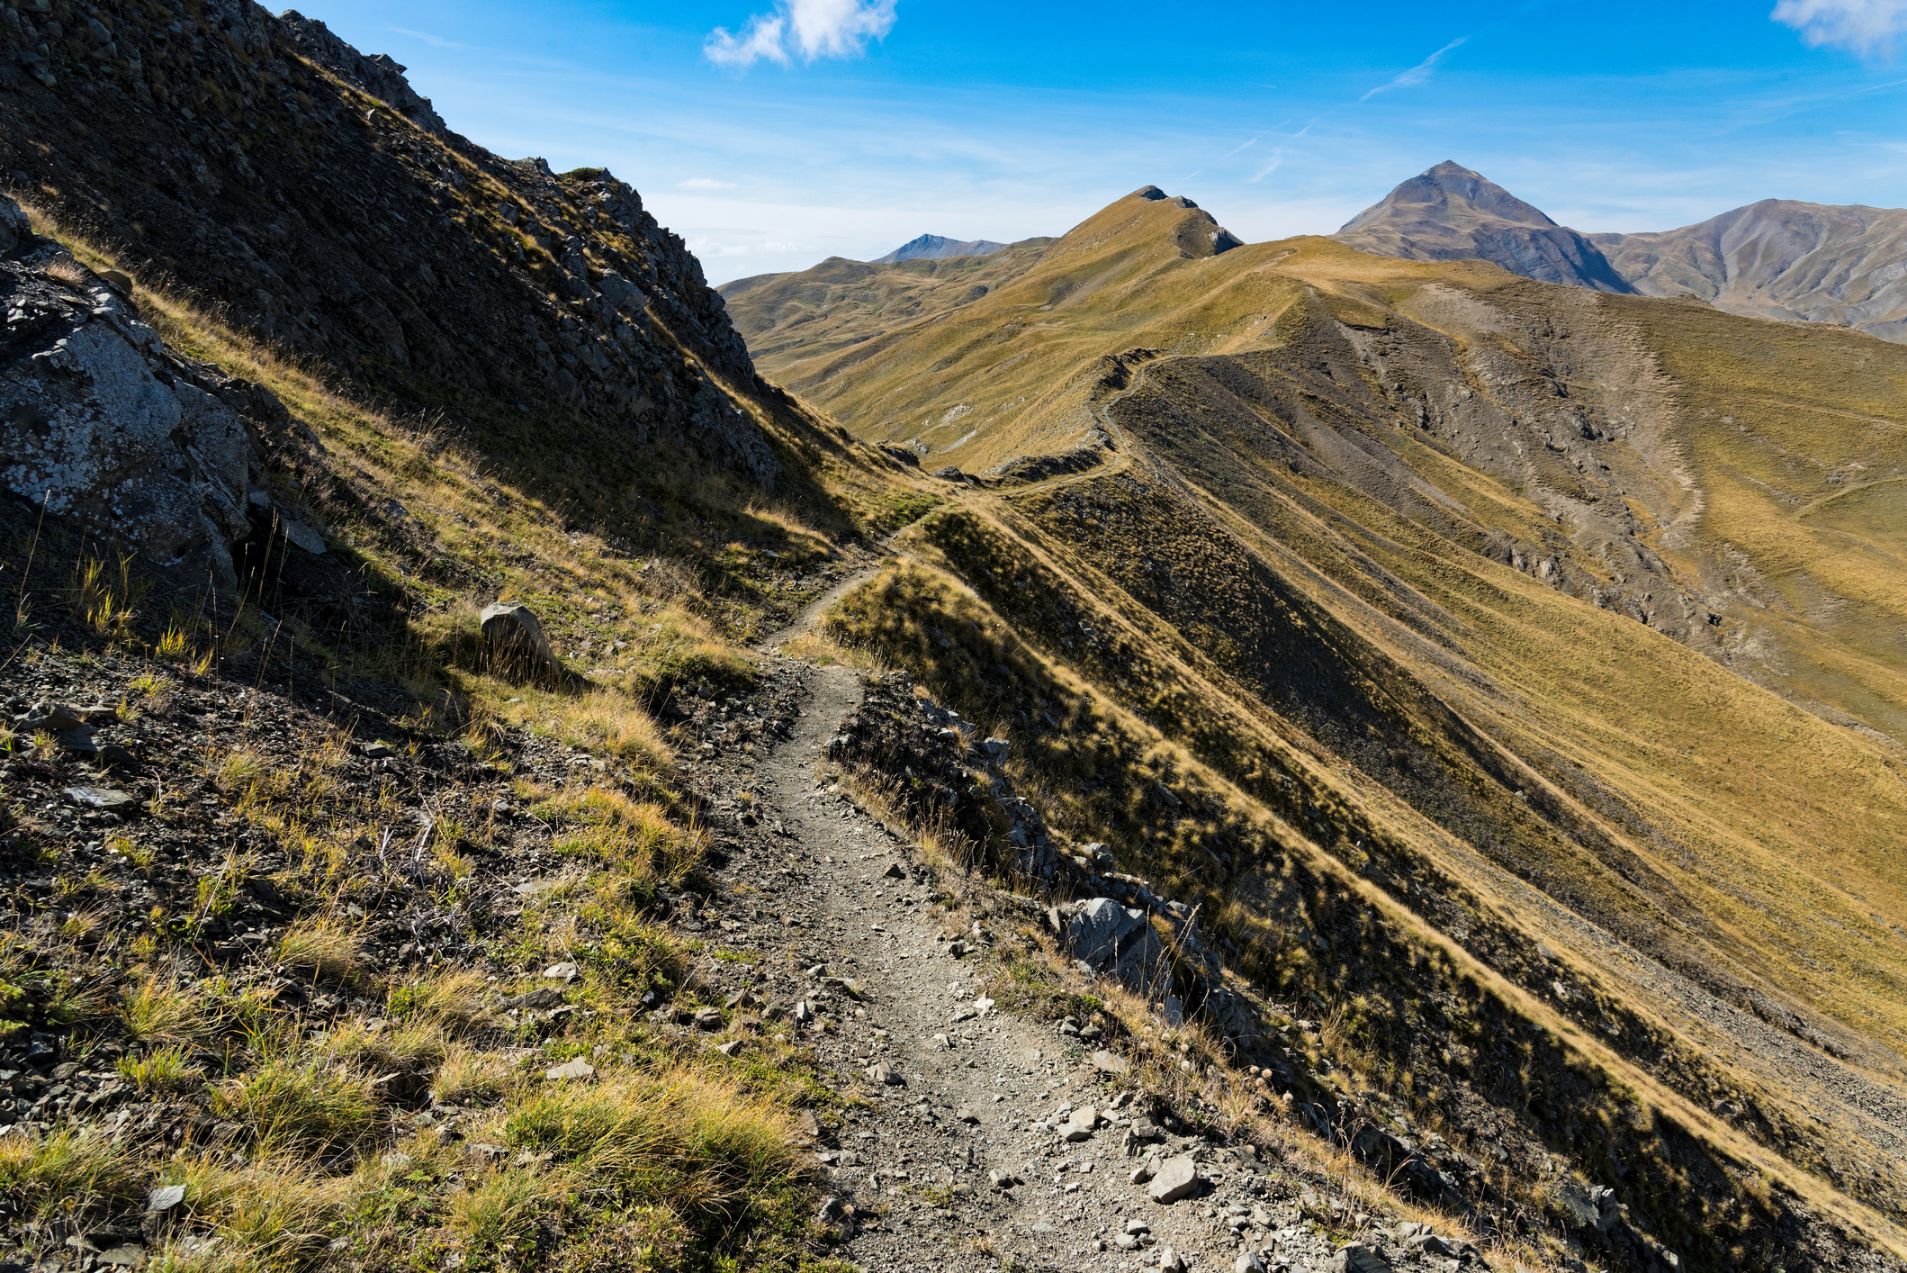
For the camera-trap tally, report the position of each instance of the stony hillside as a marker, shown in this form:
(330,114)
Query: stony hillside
(1449,213)
(1476,653)
(1780,258)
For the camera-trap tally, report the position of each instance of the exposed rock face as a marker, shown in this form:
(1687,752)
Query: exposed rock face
(934,247)
(1450,213)
(100,423)
(353,230)
(1780,259)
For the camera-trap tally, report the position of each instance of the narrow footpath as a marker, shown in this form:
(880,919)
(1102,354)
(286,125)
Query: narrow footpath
(973,1139)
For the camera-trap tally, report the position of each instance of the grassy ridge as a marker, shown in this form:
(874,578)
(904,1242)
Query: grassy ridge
(1364,574)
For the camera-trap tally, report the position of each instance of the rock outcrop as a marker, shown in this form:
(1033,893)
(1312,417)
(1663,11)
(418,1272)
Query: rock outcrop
(102,424)
(514,641)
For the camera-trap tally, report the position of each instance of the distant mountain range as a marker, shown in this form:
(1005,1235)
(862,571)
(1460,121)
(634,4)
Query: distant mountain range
(935,247)
(1779,258)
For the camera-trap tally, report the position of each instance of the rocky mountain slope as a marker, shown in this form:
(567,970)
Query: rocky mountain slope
(1449,213)
(1473,652)
(352,228)
(1780,258)
(935,247)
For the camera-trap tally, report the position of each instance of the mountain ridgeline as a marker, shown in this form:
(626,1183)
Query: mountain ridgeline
(934,247)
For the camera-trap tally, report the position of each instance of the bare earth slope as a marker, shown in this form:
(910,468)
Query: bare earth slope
(1445,582)
(1780,258)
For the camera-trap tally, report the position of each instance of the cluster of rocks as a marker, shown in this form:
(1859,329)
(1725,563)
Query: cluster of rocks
(322,204)
(104,425)
(952,774)
(1116,925)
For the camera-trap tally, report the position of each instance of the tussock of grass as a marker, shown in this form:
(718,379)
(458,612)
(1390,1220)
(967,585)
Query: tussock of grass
(702,1148)
(64,1175)
(162,1070)
(458,1000)
(324,948)
(155,1009)
(301,1106)
(470,1076)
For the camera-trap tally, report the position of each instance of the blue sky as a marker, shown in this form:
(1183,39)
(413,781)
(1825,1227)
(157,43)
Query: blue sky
(773,133)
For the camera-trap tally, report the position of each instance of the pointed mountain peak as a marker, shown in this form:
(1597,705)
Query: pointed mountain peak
(935,247)
(1147,220)
(1452,190)
(1452,213)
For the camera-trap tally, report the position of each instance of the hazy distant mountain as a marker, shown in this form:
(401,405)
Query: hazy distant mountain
(1780,258)
(1450,213)
(935,247)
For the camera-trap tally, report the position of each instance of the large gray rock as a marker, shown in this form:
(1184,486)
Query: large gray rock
(1120,942)
(513,638)
(101,425)
(1178,1178)
(1357,1258)
(1099,929)
(13,225)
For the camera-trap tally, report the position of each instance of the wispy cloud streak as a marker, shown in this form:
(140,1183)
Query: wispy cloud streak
(1417,74)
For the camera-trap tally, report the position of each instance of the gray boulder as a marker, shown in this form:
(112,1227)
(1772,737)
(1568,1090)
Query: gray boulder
(1178,1178)
(1358,1258)
(1120,942)
(13,225)
(514,641)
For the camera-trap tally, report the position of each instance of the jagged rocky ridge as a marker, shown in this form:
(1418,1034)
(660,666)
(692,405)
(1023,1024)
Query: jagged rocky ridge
(307,192)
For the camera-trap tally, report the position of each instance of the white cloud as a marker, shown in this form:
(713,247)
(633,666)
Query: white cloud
(704,183)
(761,38)
(811,29)
(1419,73)
(1868,27)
